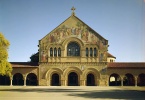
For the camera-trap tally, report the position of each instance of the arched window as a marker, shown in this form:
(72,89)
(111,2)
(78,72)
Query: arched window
(55,52)
(87,52)
(51,52)
(73,49)
(91,52)
(59,52)
(95,52)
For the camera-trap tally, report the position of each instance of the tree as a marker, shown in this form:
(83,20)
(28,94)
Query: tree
(5,66)
(35,57)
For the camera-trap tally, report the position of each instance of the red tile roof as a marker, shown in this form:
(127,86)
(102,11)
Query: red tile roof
(24,64)
(110,55)
(126,65)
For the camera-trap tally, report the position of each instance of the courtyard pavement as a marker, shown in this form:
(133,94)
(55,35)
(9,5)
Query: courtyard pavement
(71,93)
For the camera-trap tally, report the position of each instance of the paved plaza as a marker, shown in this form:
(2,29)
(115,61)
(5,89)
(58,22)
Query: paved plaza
(71,93)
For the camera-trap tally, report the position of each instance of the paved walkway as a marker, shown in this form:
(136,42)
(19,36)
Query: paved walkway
(71,93)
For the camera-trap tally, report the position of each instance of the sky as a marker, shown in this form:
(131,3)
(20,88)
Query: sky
(121,22)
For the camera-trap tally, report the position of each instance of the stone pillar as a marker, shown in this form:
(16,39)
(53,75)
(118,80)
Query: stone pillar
(82,82)
(48,52)
(98,82)
(62,53)
(62,83)
(24,80)
(135,80)
(121,81)
(11,81)
(48,82)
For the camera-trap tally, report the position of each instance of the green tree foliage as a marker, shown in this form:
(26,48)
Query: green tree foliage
(5,66)
(35,57)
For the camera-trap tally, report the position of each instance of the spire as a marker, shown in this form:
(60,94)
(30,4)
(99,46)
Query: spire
(73,9)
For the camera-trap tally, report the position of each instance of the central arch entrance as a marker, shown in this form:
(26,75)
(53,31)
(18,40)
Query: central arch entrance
(72,79)
(55,80)
(90,80)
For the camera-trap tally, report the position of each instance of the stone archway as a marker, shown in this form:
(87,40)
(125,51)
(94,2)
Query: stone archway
(114,80)
(55,80)
(4,80)
(31,80)
(18,79)
(141,80)
(91,77)
(77,74)
(54,77)
(90,80)
(129,80)
(72,79)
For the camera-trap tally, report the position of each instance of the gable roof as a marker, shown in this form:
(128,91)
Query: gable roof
(73,16)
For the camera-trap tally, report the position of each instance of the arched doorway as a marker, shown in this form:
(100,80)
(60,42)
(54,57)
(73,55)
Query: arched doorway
(114,80)
(128,80)
(55,81)
(4,80)
(141,80)
(31,80)
(90,80)
(73,79)
(18,79)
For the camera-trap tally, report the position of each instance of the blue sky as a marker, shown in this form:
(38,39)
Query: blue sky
(122,22)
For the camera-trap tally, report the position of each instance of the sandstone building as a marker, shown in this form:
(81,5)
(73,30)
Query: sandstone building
(73,54)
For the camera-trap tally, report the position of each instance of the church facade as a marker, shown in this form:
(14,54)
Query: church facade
(73,54)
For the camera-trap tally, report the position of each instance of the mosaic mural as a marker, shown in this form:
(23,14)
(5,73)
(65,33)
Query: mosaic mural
(80,31)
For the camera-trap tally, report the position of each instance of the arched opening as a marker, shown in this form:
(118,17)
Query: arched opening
(95,52)
(4,80)
(73,49)
(87,52)
(128,80)
(59,52)
(73,79)
(141,80)
(18,79)
(55,52)
(90,80)
(55,81)
(91,52)
(51,52)
(31,80)
(114,80)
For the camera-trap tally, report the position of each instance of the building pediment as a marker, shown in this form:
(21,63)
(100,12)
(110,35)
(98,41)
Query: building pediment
(74,27)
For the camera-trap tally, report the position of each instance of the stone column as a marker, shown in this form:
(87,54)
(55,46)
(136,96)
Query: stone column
(121,81)
(24,77)
(11,81)
(135,80)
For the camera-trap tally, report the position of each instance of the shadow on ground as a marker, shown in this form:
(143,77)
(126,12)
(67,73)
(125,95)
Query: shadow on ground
(90,94)
(113,94)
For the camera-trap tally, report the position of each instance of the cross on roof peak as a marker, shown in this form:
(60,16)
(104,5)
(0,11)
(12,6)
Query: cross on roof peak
(73,9)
